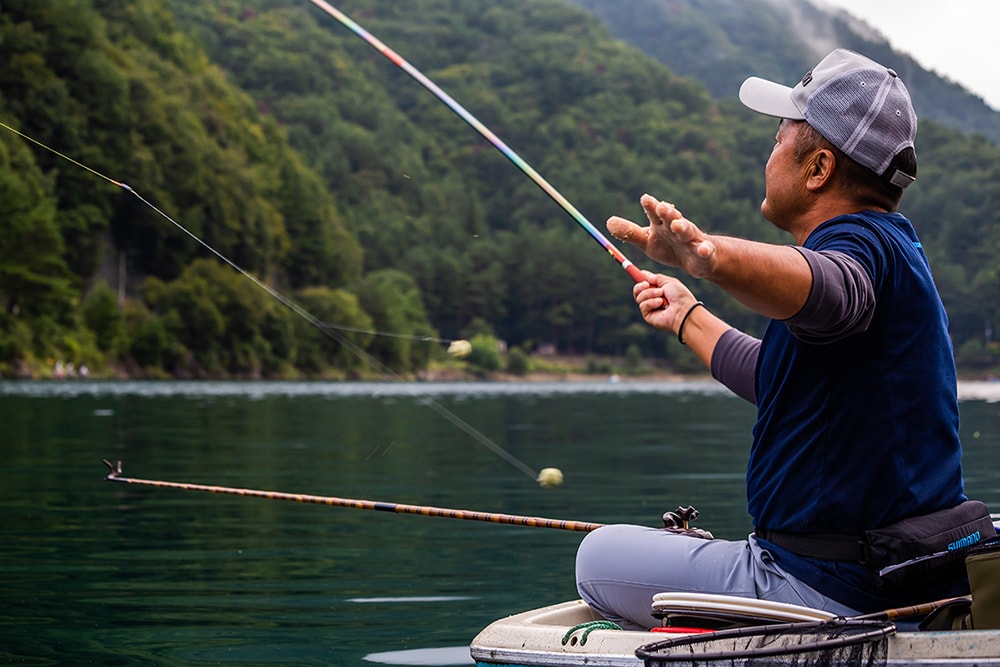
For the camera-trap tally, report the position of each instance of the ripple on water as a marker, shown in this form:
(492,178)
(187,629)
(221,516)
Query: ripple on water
(440,657)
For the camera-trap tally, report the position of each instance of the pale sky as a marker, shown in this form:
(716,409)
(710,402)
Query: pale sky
(958,39)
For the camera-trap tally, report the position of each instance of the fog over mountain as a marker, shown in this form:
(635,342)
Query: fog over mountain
(721,42)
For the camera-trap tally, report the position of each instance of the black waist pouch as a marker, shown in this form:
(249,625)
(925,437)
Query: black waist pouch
(928,546)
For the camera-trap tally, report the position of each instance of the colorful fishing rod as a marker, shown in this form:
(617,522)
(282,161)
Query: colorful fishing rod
(477,125)
(115,475)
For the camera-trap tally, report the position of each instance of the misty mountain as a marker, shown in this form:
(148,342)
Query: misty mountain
(721,42)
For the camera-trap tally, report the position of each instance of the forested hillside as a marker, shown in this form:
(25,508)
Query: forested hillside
(301,155)
(721,42)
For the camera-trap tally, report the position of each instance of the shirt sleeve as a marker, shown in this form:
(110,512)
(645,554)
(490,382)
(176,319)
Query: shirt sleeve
(734,363)
(841,302)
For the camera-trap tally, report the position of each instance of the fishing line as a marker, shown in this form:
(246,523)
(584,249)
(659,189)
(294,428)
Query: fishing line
(63,156)
(329,329)
(306,315)
(464,114)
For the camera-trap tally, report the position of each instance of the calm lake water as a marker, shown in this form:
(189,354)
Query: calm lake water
(99,573)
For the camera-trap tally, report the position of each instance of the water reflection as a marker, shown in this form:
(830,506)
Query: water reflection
(416,598)
(439,657)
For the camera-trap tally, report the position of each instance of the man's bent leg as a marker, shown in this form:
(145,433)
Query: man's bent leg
(620,568)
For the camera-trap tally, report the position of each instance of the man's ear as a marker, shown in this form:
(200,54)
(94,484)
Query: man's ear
(819,168)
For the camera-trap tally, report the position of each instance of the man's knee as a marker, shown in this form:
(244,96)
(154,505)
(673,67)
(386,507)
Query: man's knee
(591,555)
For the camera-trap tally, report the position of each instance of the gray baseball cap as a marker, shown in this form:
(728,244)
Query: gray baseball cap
(861,107)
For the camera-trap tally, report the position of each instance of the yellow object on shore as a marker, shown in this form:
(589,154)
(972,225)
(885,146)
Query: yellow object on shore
(460,348)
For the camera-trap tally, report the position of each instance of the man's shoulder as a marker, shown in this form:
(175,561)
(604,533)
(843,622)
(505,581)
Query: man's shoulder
(870,225)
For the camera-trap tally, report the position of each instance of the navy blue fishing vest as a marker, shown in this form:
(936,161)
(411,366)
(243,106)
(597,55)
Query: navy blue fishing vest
(861,432)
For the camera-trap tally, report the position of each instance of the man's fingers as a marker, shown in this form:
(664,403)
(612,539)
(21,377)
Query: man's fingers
(667,211)
(683,230)
(627,231)
(649,204)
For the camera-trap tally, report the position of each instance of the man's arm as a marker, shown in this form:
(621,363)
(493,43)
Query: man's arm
(772,280)
(734,363)
(841,303)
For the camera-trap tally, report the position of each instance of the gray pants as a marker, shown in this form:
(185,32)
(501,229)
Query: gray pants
(620,568)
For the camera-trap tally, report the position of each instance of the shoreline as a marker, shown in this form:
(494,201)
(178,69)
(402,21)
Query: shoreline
(554,370)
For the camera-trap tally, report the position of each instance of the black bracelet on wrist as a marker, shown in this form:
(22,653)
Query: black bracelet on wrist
(680,329)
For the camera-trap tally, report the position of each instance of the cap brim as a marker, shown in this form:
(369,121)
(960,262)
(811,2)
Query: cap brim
(769,98)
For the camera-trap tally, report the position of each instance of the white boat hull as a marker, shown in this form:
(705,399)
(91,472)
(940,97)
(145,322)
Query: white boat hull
(535,639)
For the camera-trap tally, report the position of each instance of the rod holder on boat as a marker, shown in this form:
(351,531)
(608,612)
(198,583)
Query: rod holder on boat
(680,517)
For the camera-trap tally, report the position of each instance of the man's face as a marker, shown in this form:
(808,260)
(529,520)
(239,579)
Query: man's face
(783,187)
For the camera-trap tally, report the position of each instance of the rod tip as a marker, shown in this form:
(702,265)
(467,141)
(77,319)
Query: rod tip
(114,469)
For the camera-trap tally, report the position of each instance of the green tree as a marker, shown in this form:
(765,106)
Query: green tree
(485,355)
(392,300)
(518,361)
(229,325)
(103,317)
(150,344)
(345,331)
(37,289)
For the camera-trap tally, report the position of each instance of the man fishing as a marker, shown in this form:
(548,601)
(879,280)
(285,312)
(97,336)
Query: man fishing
(854,378)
